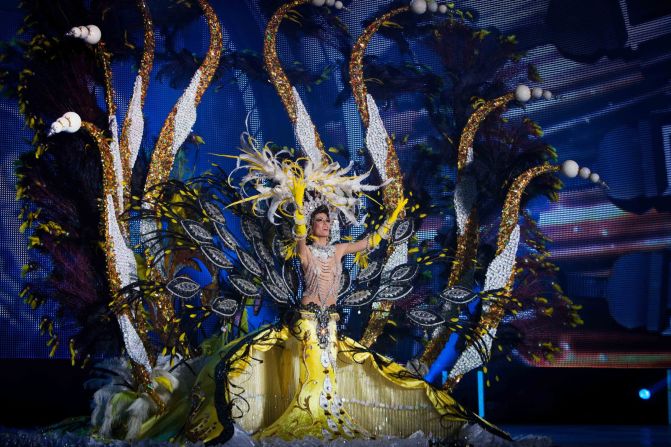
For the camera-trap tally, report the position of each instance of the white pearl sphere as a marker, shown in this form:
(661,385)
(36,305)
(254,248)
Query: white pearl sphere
(84,32)
(547,94)
(338,4)
(537,92)
(570,168)
(94,35)
(75,32)
(522,93)
(433,6)
(330,2)
(442,9)
(594,177)
(584,173)
(56,127)
(418,6)
(318,2)
(74,122)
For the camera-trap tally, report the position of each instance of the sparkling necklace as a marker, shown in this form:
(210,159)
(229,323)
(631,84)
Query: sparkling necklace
(323,252)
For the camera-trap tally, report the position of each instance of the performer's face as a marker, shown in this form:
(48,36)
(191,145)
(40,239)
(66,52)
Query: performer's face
(321,225)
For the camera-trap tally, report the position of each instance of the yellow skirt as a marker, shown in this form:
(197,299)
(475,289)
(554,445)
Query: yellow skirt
(280,382)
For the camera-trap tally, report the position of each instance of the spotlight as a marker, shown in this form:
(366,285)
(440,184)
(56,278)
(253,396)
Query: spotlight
(644,393)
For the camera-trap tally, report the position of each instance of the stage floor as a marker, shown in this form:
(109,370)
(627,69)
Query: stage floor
(598,435)
(562,436)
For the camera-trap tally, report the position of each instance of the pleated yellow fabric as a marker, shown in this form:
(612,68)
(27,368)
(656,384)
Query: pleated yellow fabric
(386,399)
(282,383)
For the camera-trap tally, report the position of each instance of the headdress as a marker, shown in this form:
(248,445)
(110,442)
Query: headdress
(313,203)
(272,178)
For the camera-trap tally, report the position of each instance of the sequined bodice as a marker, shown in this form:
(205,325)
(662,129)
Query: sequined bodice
(322,272)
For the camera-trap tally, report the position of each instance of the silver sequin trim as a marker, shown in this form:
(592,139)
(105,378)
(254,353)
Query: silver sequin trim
(116,161)
(501,267)
(305,130)
(185,117)
(136,121)
(376,138)
(124,257)
(134,345)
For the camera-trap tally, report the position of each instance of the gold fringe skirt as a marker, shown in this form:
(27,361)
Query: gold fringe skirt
(283,383)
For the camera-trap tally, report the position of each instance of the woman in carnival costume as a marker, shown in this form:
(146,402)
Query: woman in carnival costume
(296,378)
(299,379)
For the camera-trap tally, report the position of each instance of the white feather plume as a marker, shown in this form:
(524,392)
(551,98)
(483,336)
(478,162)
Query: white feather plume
(272,179)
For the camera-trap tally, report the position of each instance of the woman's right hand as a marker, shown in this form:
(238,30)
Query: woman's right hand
(297,189)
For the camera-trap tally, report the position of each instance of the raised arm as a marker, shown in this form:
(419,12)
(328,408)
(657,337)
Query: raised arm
(300,225)
(352,247)
(370,243)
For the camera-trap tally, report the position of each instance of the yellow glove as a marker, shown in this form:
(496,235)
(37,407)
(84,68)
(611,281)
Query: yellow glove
(298,191)
(376,238)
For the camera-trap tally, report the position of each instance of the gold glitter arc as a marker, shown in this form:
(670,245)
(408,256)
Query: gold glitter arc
(272,61)
(467,243)
(144,72)
(473,124)
(509,219)
(273,66)
(140,374)
(105,60)
(162,157)
(356,79)
(393,192)
(511,206)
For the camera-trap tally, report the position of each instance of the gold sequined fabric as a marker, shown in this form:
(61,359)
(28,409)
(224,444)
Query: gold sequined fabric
(162,158)
(272,61)
(473,123)
(511,206)
(356,61)
(144,73)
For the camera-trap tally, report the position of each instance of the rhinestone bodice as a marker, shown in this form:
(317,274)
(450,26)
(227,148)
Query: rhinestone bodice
(322,271)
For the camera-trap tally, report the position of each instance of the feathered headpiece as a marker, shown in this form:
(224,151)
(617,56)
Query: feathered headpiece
(273,179)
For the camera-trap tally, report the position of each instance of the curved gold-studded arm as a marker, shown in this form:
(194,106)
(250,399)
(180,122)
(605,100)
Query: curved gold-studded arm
(164,153)
(172,135)
(119,164)
(109,175)
(473,124)
(493,313)
(104,56)
(284,89)
(393,192)
(272,61)
(115,245)
(137,103)
(356,61)
(511,207)
(468,239)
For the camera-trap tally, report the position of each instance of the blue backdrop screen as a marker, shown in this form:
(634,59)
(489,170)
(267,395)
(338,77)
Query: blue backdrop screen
(609,66)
